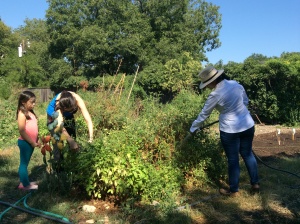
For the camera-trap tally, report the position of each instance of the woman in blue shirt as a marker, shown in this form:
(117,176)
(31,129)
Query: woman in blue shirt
(235,123)
(67,104)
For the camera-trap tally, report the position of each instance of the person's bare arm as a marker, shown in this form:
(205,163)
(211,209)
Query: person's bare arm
(86,115)
(60,118)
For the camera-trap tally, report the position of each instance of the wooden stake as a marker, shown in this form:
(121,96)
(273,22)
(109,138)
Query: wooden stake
(278,136)
(293,134)
(120,85)
(258,119)
(109,88)
(133,82)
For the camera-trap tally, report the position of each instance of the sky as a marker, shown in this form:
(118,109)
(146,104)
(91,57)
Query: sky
(267,27)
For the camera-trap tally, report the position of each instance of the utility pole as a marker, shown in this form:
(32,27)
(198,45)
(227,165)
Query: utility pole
(22,47)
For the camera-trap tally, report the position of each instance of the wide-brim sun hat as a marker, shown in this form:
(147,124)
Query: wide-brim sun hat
(208,75)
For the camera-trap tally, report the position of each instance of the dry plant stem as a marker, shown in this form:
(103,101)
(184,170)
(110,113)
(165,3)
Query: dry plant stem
(120,85)
(123,79)
(133,82)
(115,75)
(119,66)
(258,119)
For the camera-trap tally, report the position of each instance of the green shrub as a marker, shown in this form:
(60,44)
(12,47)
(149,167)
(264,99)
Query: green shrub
(135,153)
(5,89)
(9,132)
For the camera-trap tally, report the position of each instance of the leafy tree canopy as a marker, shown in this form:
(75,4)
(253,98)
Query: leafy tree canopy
(94,35)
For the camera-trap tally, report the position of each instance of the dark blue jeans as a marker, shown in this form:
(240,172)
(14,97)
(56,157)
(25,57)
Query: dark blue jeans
(235,144)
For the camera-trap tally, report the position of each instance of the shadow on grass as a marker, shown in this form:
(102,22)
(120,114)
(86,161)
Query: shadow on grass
(276,203)
(10,194)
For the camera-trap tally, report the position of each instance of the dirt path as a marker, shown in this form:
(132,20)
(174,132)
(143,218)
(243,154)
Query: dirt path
(267,142)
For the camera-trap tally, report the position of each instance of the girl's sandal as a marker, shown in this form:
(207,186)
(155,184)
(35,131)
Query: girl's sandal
(29,187)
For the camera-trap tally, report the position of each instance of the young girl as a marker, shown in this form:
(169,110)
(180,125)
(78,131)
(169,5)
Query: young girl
(28,140)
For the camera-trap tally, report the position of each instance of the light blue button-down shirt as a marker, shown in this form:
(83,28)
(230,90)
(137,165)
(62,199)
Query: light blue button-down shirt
(230,99)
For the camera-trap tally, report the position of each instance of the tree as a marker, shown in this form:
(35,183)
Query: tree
(32,69)
(4,34)
(92,36)
(272,85)
(34,64)
(8,43)
(174,75)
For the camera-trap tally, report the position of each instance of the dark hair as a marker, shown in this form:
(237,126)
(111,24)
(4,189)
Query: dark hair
(66,101)
(222,77)
(23,98)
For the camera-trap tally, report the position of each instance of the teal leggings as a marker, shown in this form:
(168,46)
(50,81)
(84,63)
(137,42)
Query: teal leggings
(26,151)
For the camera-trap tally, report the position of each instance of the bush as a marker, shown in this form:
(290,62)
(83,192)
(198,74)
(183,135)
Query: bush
(135,154)
(9,132)
(5,89)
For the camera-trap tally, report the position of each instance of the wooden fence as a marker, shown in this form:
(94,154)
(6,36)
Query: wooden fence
(42,94)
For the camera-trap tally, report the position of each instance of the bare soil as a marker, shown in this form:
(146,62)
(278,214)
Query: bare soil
(268,143)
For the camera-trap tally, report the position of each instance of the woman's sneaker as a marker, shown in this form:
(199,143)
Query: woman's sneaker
(255,188)
(226,192)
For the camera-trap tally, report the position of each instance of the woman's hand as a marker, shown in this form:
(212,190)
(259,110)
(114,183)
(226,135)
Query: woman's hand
(73,145)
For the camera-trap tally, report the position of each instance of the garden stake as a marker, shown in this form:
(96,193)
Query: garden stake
(258,119)
(293,135)
(278,136)
(133,82)
(114,76)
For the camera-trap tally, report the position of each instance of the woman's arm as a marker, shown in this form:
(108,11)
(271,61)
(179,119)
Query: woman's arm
(86,115)
(245,97)
(207,109)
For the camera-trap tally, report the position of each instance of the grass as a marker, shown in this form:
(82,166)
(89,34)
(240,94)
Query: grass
(278,201)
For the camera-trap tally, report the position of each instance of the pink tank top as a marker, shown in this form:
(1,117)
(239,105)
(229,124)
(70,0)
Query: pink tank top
(31,128)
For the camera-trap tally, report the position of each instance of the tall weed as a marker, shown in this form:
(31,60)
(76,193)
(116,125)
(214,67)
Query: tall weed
(135,154)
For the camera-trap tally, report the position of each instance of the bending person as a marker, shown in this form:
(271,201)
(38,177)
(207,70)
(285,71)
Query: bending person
(67,104)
